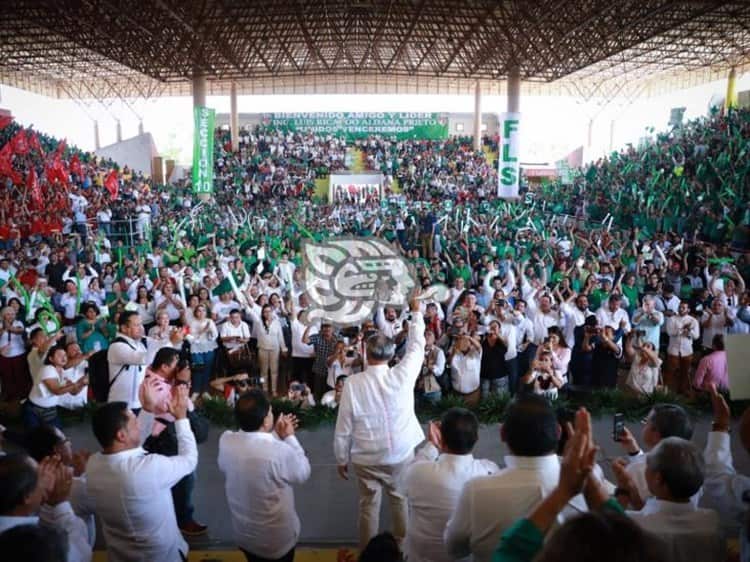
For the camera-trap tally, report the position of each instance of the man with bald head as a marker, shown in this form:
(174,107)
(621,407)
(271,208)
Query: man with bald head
(723,489)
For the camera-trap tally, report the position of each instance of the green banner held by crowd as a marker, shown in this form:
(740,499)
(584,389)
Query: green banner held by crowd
(353,125)
(203,150)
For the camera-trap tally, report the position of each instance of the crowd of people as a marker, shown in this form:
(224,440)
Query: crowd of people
(671,503)
(150,300)
(694,178)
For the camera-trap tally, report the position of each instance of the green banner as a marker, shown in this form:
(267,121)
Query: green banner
(353,125)
(203,150)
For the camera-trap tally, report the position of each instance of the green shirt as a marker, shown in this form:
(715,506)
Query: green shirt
(463,272)
(632,294)
(557,277)
(596,297)
(523,540)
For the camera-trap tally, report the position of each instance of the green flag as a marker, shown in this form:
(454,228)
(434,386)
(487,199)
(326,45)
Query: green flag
(203,150)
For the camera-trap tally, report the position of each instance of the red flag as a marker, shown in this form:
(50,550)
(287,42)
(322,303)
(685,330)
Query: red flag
(112,184)
(6,167)
(62,145)
(34,144)
(19,143)
(75,166)
(55,170)
(61,173)
(5,120)
(32,184)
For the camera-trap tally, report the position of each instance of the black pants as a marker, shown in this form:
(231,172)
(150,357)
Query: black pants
(288,557)
(525,359)
(182,496)
(514,379)
(319,386)
(302,370)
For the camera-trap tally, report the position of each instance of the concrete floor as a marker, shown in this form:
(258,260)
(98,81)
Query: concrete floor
(327,506)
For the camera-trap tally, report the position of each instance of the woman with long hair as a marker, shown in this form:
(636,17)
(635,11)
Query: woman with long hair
(203,334)
(270,344)
(146,307)
(95,293)
(108,277)
(48,385)
(204,296)
(92,331)
(560,352)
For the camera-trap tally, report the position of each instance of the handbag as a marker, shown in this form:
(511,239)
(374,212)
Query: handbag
(239,358)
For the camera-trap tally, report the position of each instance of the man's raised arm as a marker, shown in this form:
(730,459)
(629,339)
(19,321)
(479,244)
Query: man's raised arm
(410,365)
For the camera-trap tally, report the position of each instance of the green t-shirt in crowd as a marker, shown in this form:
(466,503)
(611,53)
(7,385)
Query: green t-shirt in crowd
(463,272)
(596,298)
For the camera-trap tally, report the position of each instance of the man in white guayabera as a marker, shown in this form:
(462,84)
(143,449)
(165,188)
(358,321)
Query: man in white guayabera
(377,429)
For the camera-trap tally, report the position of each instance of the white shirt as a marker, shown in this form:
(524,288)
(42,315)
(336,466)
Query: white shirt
(376,422)
(439,366)
(637,471)
(157,339)
(129,360)
(336,369)
(12,344)
(681,345)
(73,374)
(260,469)
(203,334)
(388,327)
(573,318)
(131,492)
(59,517)
(723,487)
(488,506)
(509,332)
(104,216)
(717,325)
(671,304)
(465,371)
(147,311)
(6,274)
(271,338)
(329,400)
(69,304)
(432,486)
(132,289)
(541,323)
(40,395)
(300,348)
(229,330)
(83,506)
(606,317)
(285,270)
(689,533)
(525,330)
(222,309)
(172,311)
